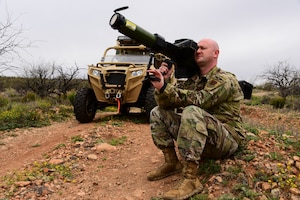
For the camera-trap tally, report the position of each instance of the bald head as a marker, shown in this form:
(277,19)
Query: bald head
(207,54)
(209,42)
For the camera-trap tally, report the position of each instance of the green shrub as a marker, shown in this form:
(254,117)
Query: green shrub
(32,114)
(255,100)
(21,115)
(10,92)
(265,99)
(297,104)
(30,96)
(43,104)
(71,97)
(3,102)
(209,167)
(60,112)
(278,102)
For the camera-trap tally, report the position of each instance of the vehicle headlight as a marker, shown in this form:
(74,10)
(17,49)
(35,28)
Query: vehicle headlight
(96,72)
(137,72)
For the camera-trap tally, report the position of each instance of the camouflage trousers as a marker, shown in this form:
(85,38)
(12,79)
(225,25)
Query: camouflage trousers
(197,133)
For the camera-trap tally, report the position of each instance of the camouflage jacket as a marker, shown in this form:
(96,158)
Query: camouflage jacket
(218,93)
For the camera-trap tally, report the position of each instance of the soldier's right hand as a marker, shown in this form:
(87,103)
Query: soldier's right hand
(165,70)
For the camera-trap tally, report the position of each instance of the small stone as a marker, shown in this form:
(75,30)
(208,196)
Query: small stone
(56,161)
(295,191)
(38,182)
(290,162)
(81,193)
(265,186)
(92,157)
(275,192)
(294,197)
(22,183)
(105,147)
(296,158)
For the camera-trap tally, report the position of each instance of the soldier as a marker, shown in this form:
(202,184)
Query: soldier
(209,125)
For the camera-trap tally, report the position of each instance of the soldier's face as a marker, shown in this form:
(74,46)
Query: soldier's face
(206,52)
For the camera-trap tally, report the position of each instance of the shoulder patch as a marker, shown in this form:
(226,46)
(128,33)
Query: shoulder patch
(212,82)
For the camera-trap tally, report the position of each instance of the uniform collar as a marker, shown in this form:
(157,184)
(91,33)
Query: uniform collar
(206,76)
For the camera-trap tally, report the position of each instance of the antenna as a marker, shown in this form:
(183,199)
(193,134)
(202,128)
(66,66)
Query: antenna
(120,9)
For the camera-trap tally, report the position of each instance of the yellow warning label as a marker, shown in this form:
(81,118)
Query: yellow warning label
(130,25)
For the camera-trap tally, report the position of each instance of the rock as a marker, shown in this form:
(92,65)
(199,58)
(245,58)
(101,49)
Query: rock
(265,186)
(275,192)
(38,182)
(295,191)
(92,157)
(105,147)
(296,158)
(294,197)
(56,161)
(22,183)
(290,162)
(81,193)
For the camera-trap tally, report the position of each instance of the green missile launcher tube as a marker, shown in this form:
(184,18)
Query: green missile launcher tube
(181,52)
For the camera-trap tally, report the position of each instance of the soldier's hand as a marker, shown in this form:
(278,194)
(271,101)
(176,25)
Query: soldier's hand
(158,82)
(165,70)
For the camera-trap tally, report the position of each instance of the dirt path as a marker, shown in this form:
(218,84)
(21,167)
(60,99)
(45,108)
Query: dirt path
(119,173)
(23,146)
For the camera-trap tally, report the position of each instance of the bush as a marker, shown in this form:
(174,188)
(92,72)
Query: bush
(21,115)
(265,99)
(3,101)
(71,97)
(43,104)
(30,96)
(297,104)
(278,102)
(32,114)
(255,100)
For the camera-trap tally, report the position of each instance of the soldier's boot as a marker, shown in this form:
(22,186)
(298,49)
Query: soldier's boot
(189,186)
(171,166)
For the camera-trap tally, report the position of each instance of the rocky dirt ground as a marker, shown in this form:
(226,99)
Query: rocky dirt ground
(110,157)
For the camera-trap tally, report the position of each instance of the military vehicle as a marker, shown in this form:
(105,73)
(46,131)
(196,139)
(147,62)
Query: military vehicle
(120,79)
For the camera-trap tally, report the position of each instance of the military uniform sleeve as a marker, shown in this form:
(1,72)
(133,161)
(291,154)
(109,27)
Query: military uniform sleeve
(216,90)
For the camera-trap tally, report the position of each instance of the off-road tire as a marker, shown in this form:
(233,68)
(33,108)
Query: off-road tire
(85,105)
(125,109)
(150,102)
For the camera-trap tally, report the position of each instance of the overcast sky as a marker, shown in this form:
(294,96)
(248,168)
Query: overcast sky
(253,35)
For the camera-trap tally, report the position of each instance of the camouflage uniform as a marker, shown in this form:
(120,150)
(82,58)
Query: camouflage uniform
(210,123)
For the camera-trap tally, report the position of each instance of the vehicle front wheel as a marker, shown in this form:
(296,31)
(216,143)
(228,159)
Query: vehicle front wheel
(85,105)
(150,102)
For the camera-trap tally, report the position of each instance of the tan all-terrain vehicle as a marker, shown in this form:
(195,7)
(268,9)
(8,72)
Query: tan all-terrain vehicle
(120,79)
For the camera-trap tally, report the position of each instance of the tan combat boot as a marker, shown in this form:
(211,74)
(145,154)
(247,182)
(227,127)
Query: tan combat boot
(189,186)
(171,166)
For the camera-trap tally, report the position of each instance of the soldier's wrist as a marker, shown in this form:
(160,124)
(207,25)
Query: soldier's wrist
(162,89)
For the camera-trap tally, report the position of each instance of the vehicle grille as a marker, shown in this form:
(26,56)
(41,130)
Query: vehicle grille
(116,79)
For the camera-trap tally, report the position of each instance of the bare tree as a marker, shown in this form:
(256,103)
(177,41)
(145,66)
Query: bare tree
(284,77)
(40,79)
(66,79)
(46,79)
(11,44)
